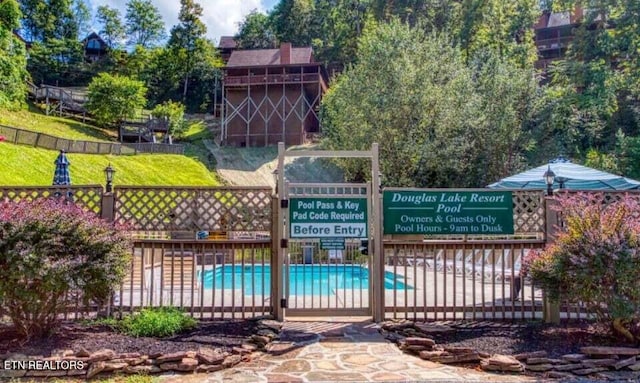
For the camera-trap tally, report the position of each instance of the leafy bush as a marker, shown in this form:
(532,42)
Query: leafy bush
(51,253)
(595,259)
(114,98)
(157,322)
(174,113)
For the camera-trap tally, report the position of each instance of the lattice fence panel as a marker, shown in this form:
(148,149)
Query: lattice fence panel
(88,197)
(528,211)
(604,198)
(190,209)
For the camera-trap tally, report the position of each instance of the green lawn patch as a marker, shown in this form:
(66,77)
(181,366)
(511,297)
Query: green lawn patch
(24,165)
(33,120)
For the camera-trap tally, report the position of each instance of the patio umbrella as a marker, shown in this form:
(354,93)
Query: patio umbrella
(568,176)
(61,175)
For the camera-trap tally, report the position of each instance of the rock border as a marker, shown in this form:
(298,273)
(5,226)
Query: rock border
(82,363)
(600,362)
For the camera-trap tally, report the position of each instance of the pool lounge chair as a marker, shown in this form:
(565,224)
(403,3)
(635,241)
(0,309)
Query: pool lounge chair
(335,256)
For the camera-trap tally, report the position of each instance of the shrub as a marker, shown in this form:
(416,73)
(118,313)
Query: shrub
(595,259)
(174,113)
(113,98)
(52,253)
(157,322)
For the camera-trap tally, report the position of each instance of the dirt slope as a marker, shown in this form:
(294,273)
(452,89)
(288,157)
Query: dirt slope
(255,166)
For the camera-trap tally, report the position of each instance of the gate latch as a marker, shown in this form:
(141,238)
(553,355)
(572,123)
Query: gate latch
(283,303)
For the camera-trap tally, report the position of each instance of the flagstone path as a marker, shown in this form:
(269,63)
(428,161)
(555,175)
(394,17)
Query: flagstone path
(341,352)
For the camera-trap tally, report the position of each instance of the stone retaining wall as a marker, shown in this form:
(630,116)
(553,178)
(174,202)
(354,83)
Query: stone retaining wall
(83,363)
(601,362)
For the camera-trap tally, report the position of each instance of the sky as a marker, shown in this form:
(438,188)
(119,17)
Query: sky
(220,16)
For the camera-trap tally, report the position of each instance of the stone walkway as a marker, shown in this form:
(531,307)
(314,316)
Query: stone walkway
(341,352)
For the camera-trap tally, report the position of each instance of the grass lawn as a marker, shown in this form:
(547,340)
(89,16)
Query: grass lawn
(24,165)
(33,120)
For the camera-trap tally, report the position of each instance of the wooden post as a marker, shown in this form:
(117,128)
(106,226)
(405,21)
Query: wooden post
(551,308)
(275,264)
(107,210)
(279,310)
(378,250)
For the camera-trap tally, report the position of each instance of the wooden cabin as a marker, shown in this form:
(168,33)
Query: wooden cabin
(226,46)
(271,95)
(553,34)
(95,48)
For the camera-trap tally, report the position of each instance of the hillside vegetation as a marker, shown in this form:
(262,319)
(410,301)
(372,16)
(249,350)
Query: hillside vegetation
(33,120)
(24,165)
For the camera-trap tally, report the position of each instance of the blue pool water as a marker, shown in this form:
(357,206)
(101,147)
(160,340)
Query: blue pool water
(304,279)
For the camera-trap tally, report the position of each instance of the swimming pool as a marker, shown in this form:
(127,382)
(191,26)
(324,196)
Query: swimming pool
(304,279)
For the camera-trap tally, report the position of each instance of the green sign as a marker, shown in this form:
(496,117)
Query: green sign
(311,217)
(332,243)
(444,212)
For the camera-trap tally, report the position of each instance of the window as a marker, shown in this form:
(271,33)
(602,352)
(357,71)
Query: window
(93,44)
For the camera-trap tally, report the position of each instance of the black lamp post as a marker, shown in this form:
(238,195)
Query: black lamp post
(108,173)
(549,177)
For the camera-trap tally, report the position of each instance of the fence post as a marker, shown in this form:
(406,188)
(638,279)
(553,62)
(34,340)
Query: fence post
(276,268)
(107,211)
(551,311)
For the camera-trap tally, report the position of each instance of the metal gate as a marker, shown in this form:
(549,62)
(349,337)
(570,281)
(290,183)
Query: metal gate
(326,275)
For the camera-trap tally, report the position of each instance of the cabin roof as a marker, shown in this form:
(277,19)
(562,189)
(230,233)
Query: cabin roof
(268,57)
(227,42)
(94,35)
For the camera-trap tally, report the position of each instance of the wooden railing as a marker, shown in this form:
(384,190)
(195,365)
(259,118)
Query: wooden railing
(454,280)
(209,279)
(272,79)
(553,43)
(152,147)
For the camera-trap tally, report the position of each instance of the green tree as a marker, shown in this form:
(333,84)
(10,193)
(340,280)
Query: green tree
(82,17)
(13,63)
(508,99)
(600,74)
(292,21)
(433,115)
(412,93)
(191,58)
(173,112)
(112,31)
(114,98)
(186,39)
(627,155)
(255,32)
(49,19)
(337,25)
(144,23)
(58,62)
(503,26)
(161,73)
